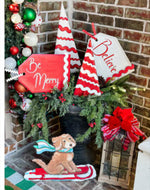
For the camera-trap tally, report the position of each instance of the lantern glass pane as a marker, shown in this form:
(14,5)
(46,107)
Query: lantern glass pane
(116,159)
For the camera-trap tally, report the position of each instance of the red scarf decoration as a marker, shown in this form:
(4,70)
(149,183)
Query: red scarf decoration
(122,119)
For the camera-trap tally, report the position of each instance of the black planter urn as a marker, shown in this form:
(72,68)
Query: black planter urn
(74,124)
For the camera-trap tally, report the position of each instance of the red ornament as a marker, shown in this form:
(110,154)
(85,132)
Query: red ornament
(19,87)
(14,8)
(14,50)
(19,26)
(12,103)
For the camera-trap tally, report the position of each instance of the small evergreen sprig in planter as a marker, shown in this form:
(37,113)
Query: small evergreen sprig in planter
(92,107)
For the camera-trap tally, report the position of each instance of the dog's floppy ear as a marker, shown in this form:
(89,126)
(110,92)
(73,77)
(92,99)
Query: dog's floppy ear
(57,142)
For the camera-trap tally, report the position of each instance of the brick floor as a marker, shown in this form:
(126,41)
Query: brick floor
(21,161)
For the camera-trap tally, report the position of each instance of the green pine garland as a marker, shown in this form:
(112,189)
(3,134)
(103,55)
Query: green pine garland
(92,107)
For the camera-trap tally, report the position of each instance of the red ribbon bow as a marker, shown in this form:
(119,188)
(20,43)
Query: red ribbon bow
(122,119)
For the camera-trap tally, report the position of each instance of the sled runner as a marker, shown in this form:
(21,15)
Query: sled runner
(87,172)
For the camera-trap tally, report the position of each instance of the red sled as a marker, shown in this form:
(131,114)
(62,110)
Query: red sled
(87,172)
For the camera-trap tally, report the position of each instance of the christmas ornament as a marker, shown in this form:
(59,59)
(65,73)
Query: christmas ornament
(22,40)
(14,50)
(19,26)
(10,63)
(27,23)
(14,74)
(12,103)
(26,104)
(19,87)
(10,86)
(18,1)
(38,21)
(30,96)
(14,8)
(30,39)
(30,48)
(88,80)
(16,18)
(122,119)
(21,60)
(29,15)
(26,52)
(65,42)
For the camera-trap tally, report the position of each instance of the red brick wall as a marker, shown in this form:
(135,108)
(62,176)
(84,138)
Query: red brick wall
(129,21)
(47,32)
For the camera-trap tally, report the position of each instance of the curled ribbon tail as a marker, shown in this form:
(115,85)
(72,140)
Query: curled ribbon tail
(132,137)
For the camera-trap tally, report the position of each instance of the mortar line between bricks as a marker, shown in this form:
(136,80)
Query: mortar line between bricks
(148,3)
(147,83)
(108,26)
(124,40)
(113,5)
(41,1)
(136,92)
(142,117)
(80,41)
(49,32)
(43,43)
(136,105)
(143,101)
(53,11)
(144,25)
(116,2)
(144,67)
(135,53)
(45,22)
(140,49)
(112,16)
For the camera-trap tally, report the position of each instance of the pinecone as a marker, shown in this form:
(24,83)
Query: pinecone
(101,81)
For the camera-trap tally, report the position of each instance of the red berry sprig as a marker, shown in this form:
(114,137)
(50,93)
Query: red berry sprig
(61,98)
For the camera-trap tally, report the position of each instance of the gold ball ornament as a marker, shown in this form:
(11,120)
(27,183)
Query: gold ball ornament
(19,87)
(16,18)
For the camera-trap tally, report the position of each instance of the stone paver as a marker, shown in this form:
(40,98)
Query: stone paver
(90,185)
(72,185)
(45,187)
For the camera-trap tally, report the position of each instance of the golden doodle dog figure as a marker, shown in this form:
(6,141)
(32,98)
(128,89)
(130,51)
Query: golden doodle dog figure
(62,160)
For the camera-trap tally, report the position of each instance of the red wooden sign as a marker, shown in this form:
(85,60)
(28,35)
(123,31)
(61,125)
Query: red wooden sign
(43,72)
